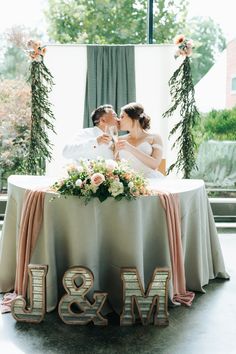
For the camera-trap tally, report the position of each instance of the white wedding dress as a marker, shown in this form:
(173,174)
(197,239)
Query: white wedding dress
(138,165)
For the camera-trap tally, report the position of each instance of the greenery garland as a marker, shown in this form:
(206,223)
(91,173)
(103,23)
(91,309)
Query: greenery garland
(182,95)
(41,81)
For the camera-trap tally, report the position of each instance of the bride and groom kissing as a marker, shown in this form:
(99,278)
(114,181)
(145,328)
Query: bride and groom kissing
(142,149)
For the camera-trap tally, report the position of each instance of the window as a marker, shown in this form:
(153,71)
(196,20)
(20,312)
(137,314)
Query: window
(233,84)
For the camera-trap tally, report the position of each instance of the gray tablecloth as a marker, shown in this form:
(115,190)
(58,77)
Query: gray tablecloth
(107,236)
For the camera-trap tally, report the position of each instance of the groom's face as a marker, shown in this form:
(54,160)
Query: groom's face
(110,118)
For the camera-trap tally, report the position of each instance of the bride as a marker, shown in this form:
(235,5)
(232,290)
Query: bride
(143,150)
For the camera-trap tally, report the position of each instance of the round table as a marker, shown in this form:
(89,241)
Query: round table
(108,236)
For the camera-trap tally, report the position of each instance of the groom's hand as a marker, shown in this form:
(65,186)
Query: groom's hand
(104,139)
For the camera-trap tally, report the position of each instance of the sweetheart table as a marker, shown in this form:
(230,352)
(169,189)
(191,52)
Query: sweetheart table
(107,236)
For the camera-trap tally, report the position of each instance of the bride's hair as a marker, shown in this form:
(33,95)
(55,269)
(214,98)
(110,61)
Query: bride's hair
(136,112)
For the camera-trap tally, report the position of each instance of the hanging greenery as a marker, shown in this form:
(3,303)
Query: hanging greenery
(41,81)
(182,96)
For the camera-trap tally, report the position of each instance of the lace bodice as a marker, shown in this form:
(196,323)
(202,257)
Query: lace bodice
(138,165)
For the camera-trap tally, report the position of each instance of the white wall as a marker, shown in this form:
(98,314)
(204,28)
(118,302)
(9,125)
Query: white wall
(154,65)
(68,65)
(210,91)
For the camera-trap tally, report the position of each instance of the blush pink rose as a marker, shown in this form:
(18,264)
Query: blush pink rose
(179,39)
(97,179)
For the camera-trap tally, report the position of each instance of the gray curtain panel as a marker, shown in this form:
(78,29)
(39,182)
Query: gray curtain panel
(110,78)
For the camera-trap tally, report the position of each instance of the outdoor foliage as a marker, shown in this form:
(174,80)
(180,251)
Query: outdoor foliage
(215,135)
(169,19)
(14,126)
(112,21)
(208,41)
(13,64)
(216,125)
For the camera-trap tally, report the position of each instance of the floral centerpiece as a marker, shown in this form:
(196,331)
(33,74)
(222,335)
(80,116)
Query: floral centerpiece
(102,179)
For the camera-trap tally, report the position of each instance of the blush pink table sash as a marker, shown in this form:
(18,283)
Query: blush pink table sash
(170,203)
(31,220)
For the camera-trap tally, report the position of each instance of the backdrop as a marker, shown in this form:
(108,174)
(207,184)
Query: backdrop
(110,78)
(154,65)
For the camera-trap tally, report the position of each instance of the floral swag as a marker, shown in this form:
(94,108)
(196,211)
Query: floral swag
(182,97)
(41,81)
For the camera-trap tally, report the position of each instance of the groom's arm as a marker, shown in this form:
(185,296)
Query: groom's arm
(82,146)
(85,145)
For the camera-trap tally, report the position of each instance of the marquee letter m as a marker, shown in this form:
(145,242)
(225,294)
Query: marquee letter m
(152,305)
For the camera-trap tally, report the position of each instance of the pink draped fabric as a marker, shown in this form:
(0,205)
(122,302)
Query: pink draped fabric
(31,220)
(170,203)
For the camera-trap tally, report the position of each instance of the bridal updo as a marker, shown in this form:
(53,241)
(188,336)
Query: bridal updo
(136,112)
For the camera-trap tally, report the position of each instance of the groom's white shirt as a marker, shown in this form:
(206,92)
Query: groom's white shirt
(85,146)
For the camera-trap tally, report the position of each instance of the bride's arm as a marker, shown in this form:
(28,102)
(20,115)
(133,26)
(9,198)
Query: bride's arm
(152,161)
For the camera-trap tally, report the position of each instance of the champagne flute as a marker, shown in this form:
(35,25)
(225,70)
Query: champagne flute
(107,131)
(114,133)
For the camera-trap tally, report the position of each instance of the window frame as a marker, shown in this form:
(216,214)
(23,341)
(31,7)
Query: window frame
(233,91)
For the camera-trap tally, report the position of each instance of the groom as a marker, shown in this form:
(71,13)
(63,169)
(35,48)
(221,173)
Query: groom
(93,142)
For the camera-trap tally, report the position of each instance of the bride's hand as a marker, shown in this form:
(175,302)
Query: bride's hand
(122,145)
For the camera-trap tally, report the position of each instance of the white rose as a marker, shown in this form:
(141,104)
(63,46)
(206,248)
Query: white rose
(111,164)
(80,169)
(78,183)
(130,184)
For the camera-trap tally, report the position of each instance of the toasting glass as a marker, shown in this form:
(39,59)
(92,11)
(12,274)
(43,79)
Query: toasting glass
(113,131)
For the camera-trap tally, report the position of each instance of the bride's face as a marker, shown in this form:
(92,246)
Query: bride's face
(126,122)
